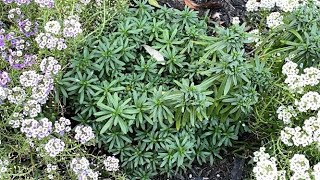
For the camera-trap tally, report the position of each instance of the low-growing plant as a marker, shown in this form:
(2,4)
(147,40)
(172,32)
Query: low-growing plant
(159,83)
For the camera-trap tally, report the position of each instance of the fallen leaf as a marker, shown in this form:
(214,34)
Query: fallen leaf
(191,4)
(154,3)
(155,54)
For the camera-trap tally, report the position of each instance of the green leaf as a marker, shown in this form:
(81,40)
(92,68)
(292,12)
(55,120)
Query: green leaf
(154,3)
(106,126)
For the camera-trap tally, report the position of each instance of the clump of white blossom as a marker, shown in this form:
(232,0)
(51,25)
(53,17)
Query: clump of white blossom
(54,146)
(36,129)
(283,5)
(31,108)
(309,101)
(29,78)
(50,65)
(49,41)
(71,26)
(51,169)
(286,113)
(84,134)
(3,166)
(274,19)
(81,167)
(111,163)
(16,120)
(266,167)
(45,3)
(85,2)
(62,126)
(52,27)
(299,167)
(16,95)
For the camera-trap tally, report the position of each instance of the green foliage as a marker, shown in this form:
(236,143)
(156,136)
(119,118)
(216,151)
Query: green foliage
(299,36)
(187,109)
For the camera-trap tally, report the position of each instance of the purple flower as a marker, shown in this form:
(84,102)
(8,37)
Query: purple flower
(4,78)
(28,28)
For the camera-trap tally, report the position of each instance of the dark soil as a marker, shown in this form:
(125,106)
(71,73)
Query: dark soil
(219,10)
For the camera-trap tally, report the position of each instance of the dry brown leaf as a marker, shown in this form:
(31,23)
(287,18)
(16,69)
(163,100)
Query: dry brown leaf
(191,4)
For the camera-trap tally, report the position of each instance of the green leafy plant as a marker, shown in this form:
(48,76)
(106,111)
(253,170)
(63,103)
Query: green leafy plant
(187,107)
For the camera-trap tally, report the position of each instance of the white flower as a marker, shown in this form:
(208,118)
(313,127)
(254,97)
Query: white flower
(286,113)
(235,20)
(52,27)
(72,27)
(29,78)
(85,2)
(111,163)
(54,146)
(252,5)
(309,101)
(62,126)
(274,19)
(299,163)
(84,134)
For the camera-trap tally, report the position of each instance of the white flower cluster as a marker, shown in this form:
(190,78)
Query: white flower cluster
(51,169)
(81,167)
(54,146)
(16,120)
(235,20)
(47,40)
(266,167)
(284,5)
(84,134)
(29,79)
(36,129)
(52,27)
(72,26)
(111,163)
(274,19)
(316,171)
(295,136)
(15,14)
(45,3)
(31,108)
(3,166)
(50,66)
(16,95)
(296,82)
(309,101)
(62,126)
(308,134)
(85,2)
(286,113)
(299,164)
(40,93)
(3,94)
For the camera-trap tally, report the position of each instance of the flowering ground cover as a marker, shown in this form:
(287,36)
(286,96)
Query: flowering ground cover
(119,89)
